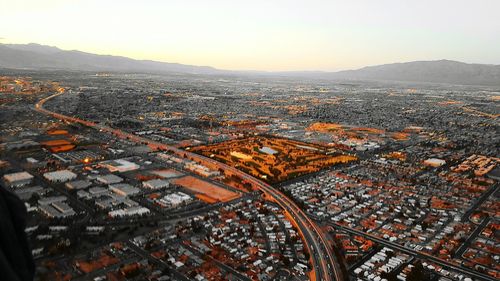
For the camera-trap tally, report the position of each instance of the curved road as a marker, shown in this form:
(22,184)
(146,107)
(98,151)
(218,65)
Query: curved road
(325,265)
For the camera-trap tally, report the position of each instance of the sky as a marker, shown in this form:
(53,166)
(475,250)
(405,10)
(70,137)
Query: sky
(270,35)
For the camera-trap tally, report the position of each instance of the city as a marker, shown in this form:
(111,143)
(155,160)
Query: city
(283,140)
(137,177)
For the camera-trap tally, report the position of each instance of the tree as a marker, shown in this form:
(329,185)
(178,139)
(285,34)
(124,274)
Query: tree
(418,273)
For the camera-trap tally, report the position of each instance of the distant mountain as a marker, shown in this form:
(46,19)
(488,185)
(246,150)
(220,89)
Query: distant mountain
(35,56)
(441,71)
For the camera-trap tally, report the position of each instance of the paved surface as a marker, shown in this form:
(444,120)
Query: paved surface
(471,237)
(325,264)
(421,255)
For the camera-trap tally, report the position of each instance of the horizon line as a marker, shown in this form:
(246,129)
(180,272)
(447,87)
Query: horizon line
(247,70)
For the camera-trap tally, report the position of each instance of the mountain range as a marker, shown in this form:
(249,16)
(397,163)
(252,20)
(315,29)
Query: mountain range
(35,56)
(38,57)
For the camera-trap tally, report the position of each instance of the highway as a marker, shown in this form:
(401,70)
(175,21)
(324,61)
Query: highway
(325,264)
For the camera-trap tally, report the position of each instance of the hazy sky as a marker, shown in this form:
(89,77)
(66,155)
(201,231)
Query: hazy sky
(263,35)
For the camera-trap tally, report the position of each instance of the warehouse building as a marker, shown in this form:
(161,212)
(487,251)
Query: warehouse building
(79,184)
(18,179)
(124,189)
(60,176)
(155,184)
(109,179)
(120,165)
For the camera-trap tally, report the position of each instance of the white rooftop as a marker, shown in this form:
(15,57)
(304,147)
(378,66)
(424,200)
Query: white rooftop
(62,175)
(120,165)
(21,176)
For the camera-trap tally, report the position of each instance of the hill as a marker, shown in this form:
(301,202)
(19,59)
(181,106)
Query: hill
(35,56)
(441,71)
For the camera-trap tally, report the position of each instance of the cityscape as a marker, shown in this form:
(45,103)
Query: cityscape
(133,177)
(122,168)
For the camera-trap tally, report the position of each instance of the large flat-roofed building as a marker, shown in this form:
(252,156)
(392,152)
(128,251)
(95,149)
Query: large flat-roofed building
(156,184)
(109,179)
(55,207)
(57,210)
(97,191)
(434,162)
(21,144)
(174,199)
(51,200)
(63,207)
(25,193)
(124,189)
(79,184)
(120,165)
(60,176)
(18,179)
(131,211)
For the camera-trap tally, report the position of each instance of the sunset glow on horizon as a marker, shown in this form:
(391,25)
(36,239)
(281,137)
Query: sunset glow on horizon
(262,35)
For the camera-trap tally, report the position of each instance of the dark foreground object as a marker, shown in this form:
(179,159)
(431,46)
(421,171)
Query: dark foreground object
(16,262)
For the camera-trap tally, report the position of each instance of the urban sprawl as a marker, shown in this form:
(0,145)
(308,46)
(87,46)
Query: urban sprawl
(205,177)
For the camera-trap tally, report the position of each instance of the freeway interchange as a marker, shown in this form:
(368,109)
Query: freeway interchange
(325,264)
